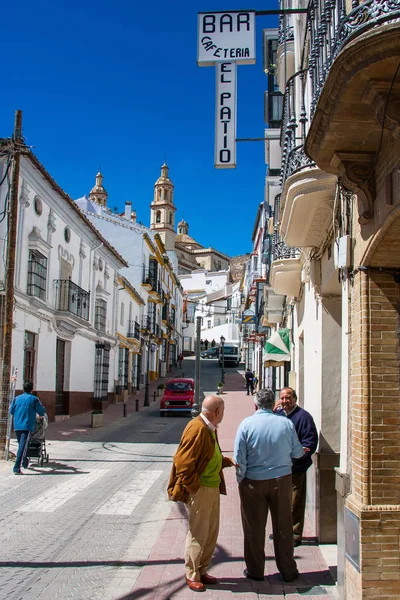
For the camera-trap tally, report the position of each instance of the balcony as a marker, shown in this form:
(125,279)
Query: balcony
(286,274)
(308,193)
(146,324)
(133,330)
(149,279)
(352,58)
(294,127)
(285,271)
(72,299)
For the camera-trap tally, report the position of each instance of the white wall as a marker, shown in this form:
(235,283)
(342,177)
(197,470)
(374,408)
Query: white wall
(91,262)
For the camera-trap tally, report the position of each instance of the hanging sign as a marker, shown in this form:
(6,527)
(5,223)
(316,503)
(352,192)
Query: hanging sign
(225,117)
(225,36)
(248,316)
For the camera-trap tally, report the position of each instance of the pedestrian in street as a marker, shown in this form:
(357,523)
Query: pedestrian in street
(249,376)
(308,437)
(180,360)
(197,480)
(24,408)
(264,447)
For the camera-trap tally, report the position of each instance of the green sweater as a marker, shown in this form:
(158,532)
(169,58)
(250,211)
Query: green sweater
(210,476)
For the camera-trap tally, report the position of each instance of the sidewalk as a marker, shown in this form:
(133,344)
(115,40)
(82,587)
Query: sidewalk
(162,578)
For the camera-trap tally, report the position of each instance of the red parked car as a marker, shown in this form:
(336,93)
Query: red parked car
(178,396)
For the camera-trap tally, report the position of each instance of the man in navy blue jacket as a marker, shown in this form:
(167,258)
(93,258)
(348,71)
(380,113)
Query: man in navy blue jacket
(308,437)
(25,408)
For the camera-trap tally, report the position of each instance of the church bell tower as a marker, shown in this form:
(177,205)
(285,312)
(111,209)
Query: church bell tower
(98,193)
(162,209)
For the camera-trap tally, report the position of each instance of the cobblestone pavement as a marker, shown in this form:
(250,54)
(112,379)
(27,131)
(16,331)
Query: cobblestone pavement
(95,522)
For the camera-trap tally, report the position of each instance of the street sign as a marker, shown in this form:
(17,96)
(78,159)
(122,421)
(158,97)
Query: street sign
(226,39)
(248,319)
(225,116)
(226,36)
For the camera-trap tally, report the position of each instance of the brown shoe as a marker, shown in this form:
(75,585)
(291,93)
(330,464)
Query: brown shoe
(208,579)
(195,586)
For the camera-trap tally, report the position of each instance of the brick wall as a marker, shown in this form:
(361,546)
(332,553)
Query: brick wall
(375,433)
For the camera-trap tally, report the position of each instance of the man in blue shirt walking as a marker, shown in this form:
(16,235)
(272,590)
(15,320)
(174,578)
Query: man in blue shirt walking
(24,408)
(264,447)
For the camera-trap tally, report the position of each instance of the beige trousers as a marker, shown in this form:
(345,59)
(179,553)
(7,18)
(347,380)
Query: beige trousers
(201,539)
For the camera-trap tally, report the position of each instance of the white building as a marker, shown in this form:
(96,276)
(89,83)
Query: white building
(150,297)
(211,296)
(65,290)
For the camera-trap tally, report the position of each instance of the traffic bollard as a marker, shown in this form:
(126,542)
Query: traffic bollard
(137,405)
(154,396)
(124,410)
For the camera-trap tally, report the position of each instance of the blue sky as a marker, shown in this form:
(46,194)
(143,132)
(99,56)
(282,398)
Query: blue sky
(116,86)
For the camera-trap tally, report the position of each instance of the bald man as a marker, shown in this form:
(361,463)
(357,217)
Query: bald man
(197,479)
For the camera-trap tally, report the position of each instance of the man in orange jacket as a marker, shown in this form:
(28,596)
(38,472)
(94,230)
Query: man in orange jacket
(197,479)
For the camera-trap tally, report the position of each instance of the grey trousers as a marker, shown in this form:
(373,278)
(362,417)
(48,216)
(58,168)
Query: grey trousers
(257,498)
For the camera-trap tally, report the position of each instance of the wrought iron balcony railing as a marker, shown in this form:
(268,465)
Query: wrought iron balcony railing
(285,31)
(150,278)
(133,330)
(71,298)
(330,28)
(294,127)
(281,251)
(146,323)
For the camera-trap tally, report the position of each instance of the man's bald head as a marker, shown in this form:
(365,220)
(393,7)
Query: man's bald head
(213,408)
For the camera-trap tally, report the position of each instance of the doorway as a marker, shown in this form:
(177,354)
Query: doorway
(61,404)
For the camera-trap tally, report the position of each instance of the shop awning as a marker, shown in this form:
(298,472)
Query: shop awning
(277,348)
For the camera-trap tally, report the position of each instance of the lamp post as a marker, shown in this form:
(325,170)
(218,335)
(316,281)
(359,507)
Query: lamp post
(196,408)
(222,340)
(146,387)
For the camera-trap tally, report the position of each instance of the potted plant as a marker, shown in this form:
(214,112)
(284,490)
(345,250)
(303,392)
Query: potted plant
(97,418)
(160,389)
(220,387)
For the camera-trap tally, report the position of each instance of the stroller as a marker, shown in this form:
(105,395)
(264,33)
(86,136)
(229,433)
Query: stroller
(37,441)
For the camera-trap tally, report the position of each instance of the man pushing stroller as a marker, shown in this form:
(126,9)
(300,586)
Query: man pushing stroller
(24,408)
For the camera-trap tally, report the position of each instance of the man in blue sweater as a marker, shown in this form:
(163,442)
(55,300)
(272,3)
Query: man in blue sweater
(24,408)
(308,437)
(265,445)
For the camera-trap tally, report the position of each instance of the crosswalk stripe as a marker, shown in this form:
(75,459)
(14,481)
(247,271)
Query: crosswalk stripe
(60,494)
(126,499)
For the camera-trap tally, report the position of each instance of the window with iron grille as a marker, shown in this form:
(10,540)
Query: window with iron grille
(100,314)
(164,311)
(37,275)
(101,371)
(164,350)
(153,271)
(123,363)
(29,356)
(137,331)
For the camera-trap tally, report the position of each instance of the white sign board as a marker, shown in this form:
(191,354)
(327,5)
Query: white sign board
(226,36)
(225,122)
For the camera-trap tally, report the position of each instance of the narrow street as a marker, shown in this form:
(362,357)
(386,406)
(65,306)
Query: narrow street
(95,522)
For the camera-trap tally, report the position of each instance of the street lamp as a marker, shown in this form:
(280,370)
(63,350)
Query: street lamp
(222,340)
(146,387)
